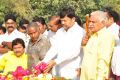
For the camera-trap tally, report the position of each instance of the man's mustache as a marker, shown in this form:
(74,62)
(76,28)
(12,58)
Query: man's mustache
(10,27)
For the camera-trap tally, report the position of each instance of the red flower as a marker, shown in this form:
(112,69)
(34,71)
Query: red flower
(20,72)
(2,77)
(40,68)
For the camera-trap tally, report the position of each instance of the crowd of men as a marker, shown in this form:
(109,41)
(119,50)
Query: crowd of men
(91,52)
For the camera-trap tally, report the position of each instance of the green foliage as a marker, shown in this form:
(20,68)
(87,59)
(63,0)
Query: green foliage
(29,8)
(47,8)
(2,9)
(21,8)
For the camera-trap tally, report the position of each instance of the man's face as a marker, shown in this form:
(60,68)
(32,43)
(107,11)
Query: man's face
(41,27)
(94,24)
(10,25)
(53,26)
(67,22)
(18,49)
(109,21)
(33,33)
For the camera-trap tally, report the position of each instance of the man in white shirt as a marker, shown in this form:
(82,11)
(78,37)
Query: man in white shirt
(11,34)
(23,24)
(54,25)
(66,47)
(111,25)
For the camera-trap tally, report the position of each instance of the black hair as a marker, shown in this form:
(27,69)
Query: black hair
(23,21)
(39,19)
(58,21)
(3,29)
(18,41)
(22,27)
(10,16)
(112,13)
(67,11)
(1,24)
(35,19)
(78,20)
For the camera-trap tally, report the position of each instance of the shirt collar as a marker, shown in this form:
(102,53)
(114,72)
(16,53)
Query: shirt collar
(72,28)
(39,38)
(99,32)
(12,53)
(113,26)
(15,30)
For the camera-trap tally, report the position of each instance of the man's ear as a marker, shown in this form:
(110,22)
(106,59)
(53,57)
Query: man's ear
(112,20)
(45,26)
(73,19)
(16,25)
(103,22)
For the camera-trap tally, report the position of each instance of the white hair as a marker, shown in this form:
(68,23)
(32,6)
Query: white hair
(100,15)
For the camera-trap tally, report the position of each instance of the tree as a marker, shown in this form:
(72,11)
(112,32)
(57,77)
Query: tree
(21,8)
(47,8)
(29,8)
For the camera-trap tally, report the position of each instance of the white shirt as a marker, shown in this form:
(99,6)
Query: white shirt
(1,40)
(114,29)
(51,36)
(67,51)
(15,34)
(116,61)
(45,33)
(27,39)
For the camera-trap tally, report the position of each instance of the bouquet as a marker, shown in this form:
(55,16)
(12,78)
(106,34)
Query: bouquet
(36,74)
(2,77)
(38,70)
(19,73)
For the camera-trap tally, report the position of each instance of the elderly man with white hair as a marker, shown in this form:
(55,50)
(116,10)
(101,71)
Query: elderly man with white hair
(98,50)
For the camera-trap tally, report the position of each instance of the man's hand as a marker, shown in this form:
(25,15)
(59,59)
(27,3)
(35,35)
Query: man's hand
(7,44)
(50,65)
(3,50)
(38,62)
(4,43)
(85,40)
(78,72)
